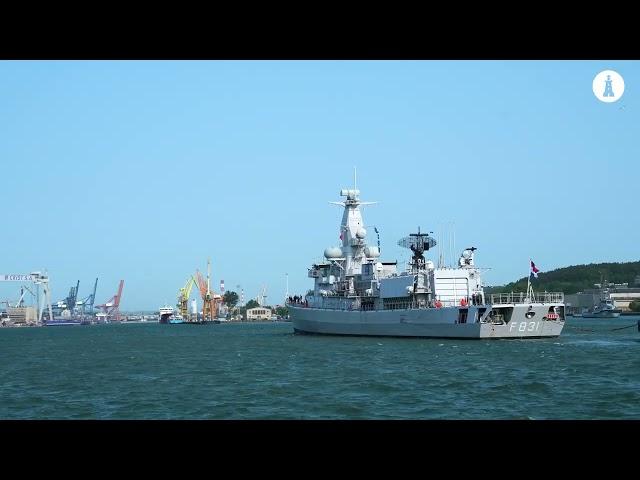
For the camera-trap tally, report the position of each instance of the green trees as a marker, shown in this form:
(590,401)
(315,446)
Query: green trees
(230,299)
(575,278)
(635,306)
(251,304)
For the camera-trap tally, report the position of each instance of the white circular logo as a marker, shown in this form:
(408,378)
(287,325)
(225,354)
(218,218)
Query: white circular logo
(608,86)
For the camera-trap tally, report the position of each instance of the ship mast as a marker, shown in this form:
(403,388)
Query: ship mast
(352,231)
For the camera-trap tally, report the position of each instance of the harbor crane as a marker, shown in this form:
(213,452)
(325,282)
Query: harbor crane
(111,308)
(20,302)
(210,300)
(262,296)
(183,298)
(69,303)
(87,303)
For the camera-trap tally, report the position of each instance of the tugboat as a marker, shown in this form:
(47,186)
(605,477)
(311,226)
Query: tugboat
(355,293)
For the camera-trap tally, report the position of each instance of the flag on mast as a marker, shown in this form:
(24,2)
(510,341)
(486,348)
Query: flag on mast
(534,270)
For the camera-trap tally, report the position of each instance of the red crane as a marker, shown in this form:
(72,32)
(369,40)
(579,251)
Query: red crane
(111,308)
(210,300)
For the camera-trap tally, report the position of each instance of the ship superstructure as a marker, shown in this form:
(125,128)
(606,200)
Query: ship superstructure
(356,293)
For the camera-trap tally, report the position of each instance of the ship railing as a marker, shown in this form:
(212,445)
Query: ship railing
(521,297)
(398,305)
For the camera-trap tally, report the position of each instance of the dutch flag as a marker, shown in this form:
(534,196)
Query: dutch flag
(534,270)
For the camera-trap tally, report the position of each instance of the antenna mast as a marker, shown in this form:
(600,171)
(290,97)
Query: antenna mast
(208,274)
(418,243)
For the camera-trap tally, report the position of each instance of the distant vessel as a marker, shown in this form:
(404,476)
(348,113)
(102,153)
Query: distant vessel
(605,309)
(63,322)
(166,314)
(357,294)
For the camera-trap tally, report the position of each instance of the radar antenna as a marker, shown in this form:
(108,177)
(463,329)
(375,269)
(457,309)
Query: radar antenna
(418,243)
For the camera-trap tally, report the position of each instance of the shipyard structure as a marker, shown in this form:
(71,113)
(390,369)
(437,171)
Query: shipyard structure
(34,306)
(620,295)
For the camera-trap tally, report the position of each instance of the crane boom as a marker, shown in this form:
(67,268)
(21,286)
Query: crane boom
(183,297)
(210,300)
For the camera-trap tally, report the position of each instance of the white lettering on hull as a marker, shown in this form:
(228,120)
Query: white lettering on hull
(524,326)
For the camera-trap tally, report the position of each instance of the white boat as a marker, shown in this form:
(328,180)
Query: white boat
(355,293)
(167,315)
(605,309)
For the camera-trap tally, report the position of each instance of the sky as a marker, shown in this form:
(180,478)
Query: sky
(141,170)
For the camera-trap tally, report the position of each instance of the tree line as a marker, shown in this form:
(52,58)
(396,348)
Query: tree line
(230,299)
(576,278)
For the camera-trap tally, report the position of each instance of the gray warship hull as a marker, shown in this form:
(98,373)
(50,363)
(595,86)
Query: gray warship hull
(524,321)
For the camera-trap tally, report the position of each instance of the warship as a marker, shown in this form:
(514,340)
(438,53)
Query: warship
(356,293)
(605,309)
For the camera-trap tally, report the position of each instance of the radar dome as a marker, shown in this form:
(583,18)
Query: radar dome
(361,233)
(372,252)
(333,252)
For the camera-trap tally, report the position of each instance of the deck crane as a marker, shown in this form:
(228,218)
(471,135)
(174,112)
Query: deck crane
(183,298)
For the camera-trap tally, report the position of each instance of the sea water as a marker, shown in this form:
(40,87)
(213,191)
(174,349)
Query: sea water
(265,371)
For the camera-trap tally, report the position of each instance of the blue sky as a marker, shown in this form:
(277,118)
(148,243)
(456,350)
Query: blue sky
(141,170)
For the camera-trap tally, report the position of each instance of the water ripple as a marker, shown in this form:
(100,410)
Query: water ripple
(263,371)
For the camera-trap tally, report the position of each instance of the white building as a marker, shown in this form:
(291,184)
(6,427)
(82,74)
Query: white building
(259,313)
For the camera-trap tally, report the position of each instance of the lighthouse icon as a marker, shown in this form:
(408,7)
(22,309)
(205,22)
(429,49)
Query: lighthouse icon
(603,83)
(608,89)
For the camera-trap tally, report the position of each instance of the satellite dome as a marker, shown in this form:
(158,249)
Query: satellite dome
(361,233)
(333,252)
(372,252)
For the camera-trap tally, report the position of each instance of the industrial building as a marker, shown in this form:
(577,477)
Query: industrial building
(21,316)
